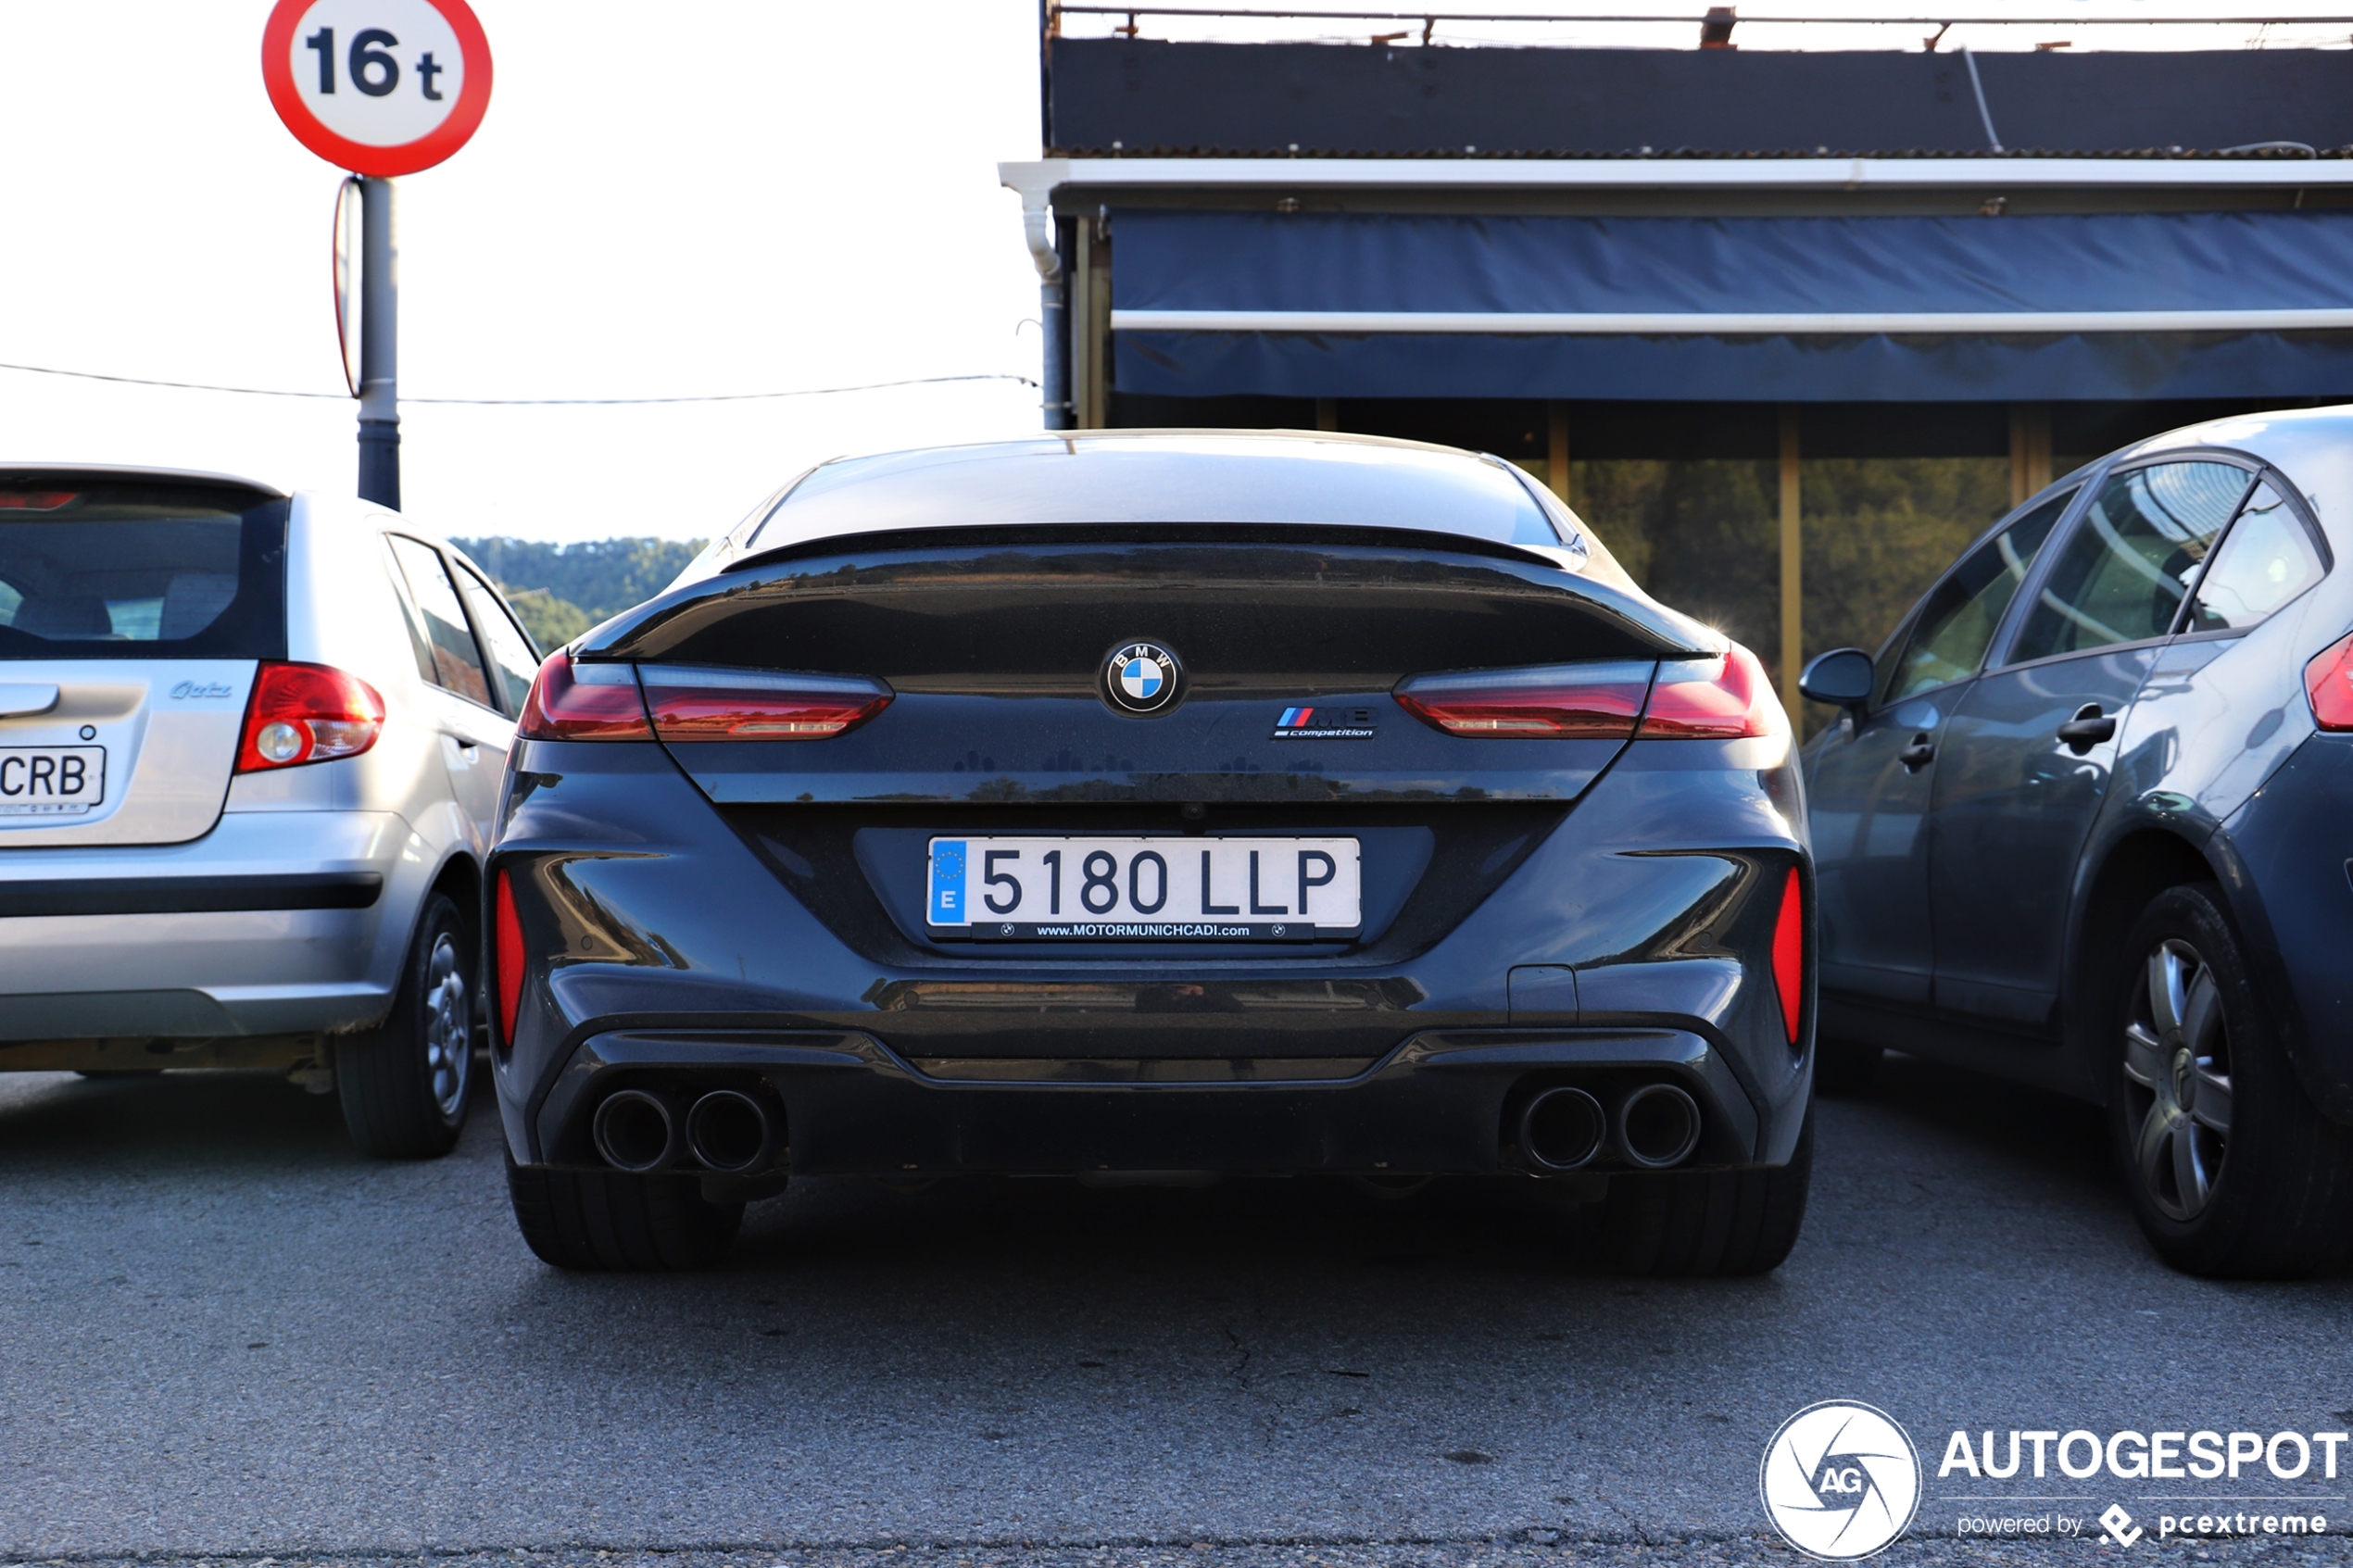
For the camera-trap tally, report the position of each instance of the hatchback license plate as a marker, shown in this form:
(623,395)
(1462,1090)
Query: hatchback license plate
(52,781)
(1194,887)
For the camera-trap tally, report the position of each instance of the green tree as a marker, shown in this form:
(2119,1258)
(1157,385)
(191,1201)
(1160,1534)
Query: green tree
(551,622)
(603,577)
(1705,536)
(1879,531)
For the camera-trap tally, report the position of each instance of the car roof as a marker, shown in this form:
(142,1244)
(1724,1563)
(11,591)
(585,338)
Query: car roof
(14,472)
(2313,446)
(1128,476)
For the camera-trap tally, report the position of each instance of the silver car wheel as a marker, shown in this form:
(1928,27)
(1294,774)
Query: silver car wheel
(2177,1073)
(448,1027)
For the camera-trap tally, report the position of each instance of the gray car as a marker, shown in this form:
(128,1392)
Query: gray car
(2082,824)
(250,751)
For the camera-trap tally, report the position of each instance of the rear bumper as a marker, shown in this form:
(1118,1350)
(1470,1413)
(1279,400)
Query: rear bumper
(1439,1102)
(2287,856)
(1633,940)
(274,922)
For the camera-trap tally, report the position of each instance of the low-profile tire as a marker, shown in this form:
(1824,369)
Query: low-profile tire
(2232,1170)
(1843,1070)
(1708,1222)
(612,1220)
(404,1084)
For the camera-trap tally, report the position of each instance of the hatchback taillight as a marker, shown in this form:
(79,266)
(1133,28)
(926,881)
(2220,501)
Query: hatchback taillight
(695,703)
(306,713)
(571,701)
(1558,702)
(1726,698)
(2328,679)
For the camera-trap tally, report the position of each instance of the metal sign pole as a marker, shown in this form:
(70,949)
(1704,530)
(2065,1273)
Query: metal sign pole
(379,339)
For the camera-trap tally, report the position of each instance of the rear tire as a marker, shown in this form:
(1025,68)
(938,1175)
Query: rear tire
(2232,1170)
(404,1084)
(610,1219)
(1843,1070)
(1709,1223)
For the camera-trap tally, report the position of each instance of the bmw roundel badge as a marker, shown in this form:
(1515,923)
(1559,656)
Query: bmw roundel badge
(1142,678)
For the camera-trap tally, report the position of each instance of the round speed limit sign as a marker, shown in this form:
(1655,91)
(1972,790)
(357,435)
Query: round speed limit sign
(379,87)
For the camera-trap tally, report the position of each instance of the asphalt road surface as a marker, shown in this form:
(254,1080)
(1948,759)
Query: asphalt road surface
(225,1336)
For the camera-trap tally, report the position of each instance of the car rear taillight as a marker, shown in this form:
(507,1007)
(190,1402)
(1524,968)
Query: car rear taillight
(306,713)
(1726,698)
(2329,681)
(1789,953)
(1560,702)
(507,958)
(693,704)
(571,701)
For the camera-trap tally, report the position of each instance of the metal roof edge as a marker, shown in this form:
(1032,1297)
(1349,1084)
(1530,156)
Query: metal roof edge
(1037,179)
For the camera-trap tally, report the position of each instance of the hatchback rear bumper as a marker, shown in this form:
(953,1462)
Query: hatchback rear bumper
(274,922)
(848,1104)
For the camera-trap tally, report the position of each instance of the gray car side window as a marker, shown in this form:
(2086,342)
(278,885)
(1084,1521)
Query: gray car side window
(514,660)
(2265,559)
(1958,619)
(456,662)
(2122,575)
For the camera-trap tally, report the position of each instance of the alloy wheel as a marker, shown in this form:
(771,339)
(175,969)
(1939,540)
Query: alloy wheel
(2177,1080)
(448,1027)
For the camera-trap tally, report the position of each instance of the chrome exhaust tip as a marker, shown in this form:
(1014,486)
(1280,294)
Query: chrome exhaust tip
(731,1133)
(1562,1128)
(1657,1127)
(635,1131)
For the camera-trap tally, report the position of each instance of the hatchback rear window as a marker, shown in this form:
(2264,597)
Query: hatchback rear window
(131,571)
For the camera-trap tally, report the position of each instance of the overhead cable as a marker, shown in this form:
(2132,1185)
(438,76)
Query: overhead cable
(518,402)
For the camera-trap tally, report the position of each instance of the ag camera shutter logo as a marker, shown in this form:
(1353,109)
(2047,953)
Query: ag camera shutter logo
(1840,1480)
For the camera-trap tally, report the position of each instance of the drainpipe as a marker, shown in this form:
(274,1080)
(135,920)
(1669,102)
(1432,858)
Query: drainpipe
(1036,184)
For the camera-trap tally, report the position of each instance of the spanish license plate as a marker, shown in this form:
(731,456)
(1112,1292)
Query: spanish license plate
(52,781)
(1188,887)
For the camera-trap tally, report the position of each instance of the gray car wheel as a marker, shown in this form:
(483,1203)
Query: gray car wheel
(2231,1168)
(404,1084)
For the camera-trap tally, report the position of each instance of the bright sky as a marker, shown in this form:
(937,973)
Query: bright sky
(665,198)
(689,197)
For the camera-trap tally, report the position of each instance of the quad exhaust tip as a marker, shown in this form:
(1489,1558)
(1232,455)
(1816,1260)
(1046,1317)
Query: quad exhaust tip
(731,1133)
(1657,1127)
(725,1131)
(1563,1129)
(635,1131)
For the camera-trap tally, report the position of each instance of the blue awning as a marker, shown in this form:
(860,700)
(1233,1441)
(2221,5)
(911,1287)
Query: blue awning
(2108,307)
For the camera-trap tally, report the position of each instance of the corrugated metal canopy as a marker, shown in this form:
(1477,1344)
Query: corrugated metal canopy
(1326,100)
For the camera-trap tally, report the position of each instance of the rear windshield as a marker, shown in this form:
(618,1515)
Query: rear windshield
(131,571)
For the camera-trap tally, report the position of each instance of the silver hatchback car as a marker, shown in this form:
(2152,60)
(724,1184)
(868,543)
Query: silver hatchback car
(250,752)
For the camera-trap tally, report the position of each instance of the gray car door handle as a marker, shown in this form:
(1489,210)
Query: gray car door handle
(2087,729)
(1918,755)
